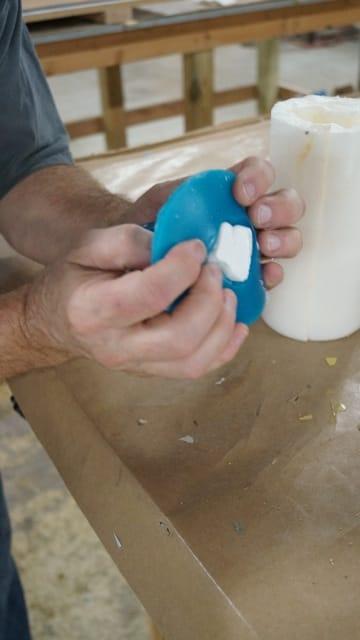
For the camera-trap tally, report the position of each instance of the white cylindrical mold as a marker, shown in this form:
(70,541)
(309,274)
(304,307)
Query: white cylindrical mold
(315,148)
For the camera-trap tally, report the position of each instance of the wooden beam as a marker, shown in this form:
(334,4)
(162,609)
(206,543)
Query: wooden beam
(115,15)
(45,10)
(88,127)
(80,128)
(140,44)
(113,106)
(268,74)
(198,89)
(238,94)
(358,57)
(291,91)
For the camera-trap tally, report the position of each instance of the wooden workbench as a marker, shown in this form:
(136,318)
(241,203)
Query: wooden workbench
(250,528)
(194,35)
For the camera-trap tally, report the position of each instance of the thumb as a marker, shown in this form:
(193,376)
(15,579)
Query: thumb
(121,248)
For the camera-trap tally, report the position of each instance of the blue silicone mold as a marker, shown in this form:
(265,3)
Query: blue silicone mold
(196,209)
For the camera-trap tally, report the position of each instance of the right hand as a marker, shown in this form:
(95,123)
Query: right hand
(105,302)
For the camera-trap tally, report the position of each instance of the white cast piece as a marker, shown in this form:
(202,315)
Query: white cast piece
(233,251)
(315,148)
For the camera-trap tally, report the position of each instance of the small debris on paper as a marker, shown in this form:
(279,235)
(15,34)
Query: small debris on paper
(294,398)
(239,528)
(220,381)
(187,439)
(306,418)
(336,408)
(331,361)
(331,560)
(165,528)
(141,421)
(118,542)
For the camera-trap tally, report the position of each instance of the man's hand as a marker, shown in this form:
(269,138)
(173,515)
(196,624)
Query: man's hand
(273,214)
(106,303)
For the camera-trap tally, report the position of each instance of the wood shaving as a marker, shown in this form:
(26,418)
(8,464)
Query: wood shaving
(306,418)
(187,439)
(331,361)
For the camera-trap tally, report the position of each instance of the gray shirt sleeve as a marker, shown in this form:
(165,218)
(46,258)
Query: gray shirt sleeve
(31,133)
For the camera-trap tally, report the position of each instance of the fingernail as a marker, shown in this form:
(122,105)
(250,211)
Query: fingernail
(273,243)
(250,190)
(199,250)
(215,271)
(264,214)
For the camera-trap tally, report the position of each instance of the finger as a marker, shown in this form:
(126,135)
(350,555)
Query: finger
(208,353)
(273,274)
(254,178)
(117,248)
(281,209)
(236,341)
(146,208)
(284,243)
(178,335)
(141,295)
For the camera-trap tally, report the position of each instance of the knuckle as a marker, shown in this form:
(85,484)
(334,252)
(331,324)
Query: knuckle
(184,262)
(161,347)
(262,165)
(127,234)
(294,198)
(251,161)
(175,343)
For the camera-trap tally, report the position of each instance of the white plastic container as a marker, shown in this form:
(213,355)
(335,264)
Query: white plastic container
(315,148)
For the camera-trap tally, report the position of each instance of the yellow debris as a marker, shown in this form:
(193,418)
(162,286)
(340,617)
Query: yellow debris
(306,418)
(337,407)
(331,361)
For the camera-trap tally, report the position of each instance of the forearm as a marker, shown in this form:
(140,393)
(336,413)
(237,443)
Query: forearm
(19,352)
(46,213)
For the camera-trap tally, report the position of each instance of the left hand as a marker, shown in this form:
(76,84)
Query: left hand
(273,214)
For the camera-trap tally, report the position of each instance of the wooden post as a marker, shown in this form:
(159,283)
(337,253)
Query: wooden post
(113,106)
(198,89)
(358,84)
(268,74)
